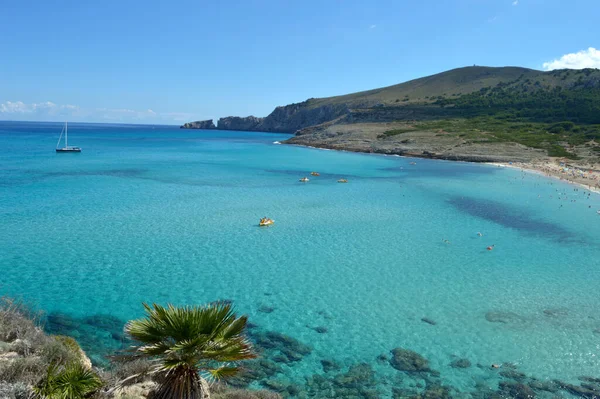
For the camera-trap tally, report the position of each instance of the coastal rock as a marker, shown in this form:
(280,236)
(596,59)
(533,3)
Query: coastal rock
(207,124)
(136,391)
(407,360)
(249,123)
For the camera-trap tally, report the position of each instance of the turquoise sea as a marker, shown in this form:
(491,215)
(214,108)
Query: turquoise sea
(159,214)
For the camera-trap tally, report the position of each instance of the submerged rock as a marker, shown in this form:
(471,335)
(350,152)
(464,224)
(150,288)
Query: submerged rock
(105,322)
(61,322)
(513,375)
(320,329)
(329,365)
(548,386)
(382,358)
(460,363)
(555,312)
(503,317)
(407,360)
(428,321)
(266,309)
(516,390)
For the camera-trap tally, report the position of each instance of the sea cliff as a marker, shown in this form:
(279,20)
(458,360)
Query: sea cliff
(207,124)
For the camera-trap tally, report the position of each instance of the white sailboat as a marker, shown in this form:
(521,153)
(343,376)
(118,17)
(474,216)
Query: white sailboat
(66,148)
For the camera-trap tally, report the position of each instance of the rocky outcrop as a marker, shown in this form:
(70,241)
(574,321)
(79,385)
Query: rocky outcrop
(207,124)
(249,123)
(298,116)
(287,119)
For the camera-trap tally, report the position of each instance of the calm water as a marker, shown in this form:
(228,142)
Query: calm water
(168,215)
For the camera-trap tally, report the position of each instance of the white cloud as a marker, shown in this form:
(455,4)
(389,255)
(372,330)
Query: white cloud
(49,111)
(372,26)
(515,3)
(589,58)
(48,107)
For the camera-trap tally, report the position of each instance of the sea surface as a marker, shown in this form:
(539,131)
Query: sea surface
(159,214)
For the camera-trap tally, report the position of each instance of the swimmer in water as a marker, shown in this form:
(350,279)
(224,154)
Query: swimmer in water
(479,234)
(491,247)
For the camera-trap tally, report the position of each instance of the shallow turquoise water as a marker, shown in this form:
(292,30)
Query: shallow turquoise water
(167,215)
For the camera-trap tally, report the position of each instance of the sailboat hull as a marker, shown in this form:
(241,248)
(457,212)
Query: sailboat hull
(75,149)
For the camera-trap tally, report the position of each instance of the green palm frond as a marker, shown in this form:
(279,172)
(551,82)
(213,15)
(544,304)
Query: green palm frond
(74,381)
(187,340)
(223,372)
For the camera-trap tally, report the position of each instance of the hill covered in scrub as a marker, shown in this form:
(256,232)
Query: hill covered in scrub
(516,110)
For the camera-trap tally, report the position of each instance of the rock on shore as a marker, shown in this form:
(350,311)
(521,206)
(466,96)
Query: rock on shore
(207,124)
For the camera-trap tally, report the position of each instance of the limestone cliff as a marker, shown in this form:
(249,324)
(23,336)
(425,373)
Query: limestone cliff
(249,123)
(207,124)
(286,119)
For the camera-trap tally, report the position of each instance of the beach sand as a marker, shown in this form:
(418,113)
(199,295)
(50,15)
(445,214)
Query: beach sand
(584,175)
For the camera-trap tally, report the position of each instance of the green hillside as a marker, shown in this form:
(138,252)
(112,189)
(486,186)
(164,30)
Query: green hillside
(461,81)
(557,111)
(450,83)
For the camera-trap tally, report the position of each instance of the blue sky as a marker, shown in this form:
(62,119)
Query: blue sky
(174,61)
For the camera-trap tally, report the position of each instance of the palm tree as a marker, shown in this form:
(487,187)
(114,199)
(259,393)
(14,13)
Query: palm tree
(189,344)
(73,381)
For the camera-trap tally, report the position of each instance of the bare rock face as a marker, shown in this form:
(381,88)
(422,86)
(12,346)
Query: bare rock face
(287,119)
(136,391)
(207,124)
(249,123)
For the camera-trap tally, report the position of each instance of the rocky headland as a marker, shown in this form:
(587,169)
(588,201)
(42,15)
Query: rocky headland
(207,124)
(540,120)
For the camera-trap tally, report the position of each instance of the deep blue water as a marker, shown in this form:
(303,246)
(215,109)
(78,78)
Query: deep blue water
(159,214)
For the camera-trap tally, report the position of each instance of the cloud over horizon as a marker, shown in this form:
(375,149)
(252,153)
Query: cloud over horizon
(51,112)
(589,58)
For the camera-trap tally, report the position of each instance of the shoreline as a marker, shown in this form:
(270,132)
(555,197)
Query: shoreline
(554,170)
(587,178)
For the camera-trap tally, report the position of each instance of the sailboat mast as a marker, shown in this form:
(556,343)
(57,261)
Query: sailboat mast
(67,134)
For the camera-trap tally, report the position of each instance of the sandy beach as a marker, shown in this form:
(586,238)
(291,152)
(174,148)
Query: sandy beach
(584,175)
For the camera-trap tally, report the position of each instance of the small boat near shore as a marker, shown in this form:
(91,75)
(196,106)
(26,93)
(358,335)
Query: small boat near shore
(304,180)
(66,148)
(315,174)
(265,222)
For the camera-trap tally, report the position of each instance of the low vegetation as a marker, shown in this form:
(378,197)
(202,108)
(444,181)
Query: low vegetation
(179,354)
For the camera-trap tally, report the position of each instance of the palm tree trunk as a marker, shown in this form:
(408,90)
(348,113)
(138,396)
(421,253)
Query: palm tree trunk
(182,383)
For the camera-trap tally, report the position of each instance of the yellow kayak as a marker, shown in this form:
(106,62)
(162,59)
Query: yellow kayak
(315,173)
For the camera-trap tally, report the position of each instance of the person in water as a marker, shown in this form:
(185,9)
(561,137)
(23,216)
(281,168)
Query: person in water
(491,247)
(479,234)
